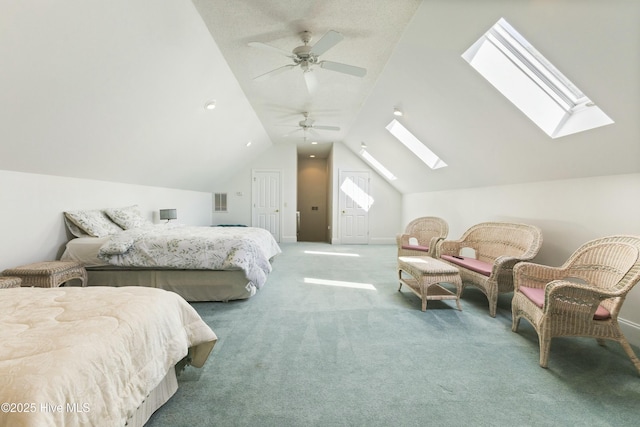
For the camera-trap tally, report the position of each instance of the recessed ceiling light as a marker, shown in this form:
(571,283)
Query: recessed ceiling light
(314,142)
(397,112)
(210,105)
(312,155)
(249,144)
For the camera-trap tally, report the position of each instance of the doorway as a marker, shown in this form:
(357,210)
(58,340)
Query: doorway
(313,202)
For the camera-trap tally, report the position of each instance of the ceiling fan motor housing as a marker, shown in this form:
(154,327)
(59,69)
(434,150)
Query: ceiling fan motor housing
(303,54)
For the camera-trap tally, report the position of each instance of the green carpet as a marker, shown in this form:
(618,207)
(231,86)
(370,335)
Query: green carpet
(307,350)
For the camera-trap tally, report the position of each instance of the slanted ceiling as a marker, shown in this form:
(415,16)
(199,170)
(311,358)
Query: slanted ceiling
(116,90)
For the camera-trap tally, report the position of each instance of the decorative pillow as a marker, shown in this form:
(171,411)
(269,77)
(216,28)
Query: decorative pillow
(94,223)
(74,229)
(128,217)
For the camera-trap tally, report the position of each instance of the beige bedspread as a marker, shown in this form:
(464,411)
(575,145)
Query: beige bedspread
(89,356)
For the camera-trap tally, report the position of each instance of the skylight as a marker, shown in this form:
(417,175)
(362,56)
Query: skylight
(522,74)
(377,165)
(415,145)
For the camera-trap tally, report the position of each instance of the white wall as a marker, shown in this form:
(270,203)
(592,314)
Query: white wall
(385,213)
(32,226)
(384,216)
(569,212)
(281,157)
(115,91)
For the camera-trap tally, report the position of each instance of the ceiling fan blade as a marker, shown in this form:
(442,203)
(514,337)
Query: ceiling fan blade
(292,132)
(326,127)
(272,73)
(311,81)
(267,47)
(329,40)
(343,68)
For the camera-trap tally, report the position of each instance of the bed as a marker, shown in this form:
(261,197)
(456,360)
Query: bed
(198,263)
(74,356)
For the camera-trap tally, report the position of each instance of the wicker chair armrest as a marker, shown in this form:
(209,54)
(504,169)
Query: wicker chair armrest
(402,239)
(503,263)
(534,275)
(450,247)
(434,246)
(577,298)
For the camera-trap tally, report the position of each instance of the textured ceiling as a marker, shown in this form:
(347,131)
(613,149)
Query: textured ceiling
(412,51)
(116,90)
(371,30)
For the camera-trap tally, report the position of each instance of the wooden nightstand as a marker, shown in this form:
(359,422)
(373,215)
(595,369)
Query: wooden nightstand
(49,274)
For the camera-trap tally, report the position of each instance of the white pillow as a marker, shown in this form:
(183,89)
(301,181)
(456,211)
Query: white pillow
(128,217)
(94,223)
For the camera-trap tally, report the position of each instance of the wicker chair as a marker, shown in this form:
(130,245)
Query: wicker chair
(498,247)
(582,297)
(427,231)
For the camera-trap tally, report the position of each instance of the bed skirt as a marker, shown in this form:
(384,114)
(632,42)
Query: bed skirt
(192,285)
(158,397)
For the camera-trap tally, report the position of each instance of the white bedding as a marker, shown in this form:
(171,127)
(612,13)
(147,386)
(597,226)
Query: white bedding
(85,250)
(194,248)
(89,356)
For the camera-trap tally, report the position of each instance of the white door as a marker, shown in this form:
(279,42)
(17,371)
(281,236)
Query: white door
(265,194)
(354,203)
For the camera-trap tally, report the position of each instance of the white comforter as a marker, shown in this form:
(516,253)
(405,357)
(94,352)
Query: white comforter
(89,356)
(194,248)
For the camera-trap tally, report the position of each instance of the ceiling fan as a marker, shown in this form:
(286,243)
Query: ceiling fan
(308,125)
(307,56)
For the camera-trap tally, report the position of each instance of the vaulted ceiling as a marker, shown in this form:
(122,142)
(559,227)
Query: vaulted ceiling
(116,90)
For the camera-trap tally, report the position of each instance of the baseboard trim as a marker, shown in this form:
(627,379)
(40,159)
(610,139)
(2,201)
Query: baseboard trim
(382,241)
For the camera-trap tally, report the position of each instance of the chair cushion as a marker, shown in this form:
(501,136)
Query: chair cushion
(537,297)
(472,264)
(416,248)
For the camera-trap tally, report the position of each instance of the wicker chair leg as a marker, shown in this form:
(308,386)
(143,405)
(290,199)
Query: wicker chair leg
(515,322)
(545,344)
(493,304)
(627,349)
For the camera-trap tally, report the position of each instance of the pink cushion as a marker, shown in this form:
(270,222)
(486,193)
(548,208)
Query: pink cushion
(416,248)
(537,297)
(472,264)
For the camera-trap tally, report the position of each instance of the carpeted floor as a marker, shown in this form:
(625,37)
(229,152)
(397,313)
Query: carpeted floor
(329,341)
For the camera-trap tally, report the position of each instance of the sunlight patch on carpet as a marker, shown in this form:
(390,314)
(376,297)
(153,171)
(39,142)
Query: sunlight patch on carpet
(340,283)
(331,253)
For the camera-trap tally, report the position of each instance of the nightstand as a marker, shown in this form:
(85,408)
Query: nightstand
(49,274)
(7,282)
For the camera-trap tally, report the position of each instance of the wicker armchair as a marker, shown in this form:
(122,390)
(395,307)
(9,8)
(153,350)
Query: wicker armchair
(422,236)
(582,297)
(498,247)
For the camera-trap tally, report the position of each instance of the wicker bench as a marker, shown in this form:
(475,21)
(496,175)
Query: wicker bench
(49,274)
(498,246)
(7,282)
(426,274)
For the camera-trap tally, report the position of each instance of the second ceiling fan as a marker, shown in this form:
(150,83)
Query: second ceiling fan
(308,124)
(307,56)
